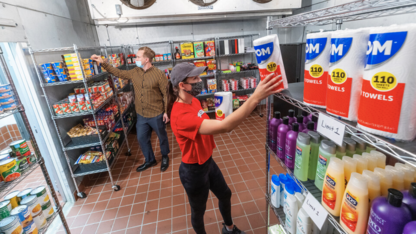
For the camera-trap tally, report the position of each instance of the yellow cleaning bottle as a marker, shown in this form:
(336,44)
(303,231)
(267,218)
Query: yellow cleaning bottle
(334,186)
(361,163)
(372,161)
(386,181)
(350,166)
(398,177)
(408,174)
(381,158)
(373,181)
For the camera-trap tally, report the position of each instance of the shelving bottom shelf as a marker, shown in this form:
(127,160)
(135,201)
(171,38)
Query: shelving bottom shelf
(49,222)
(280,214)
(7,187)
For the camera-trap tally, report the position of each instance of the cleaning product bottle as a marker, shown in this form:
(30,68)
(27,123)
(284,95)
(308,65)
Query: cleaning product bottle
(369,148)
(373,181)
(409,198)
(292,118)
(313,157)
(341,150)
(275,193)
(304,223)
(281,138)
(388,215)
(306,119)
(354,208)
(299,120)
(411,168)
(361,163)
(410,228)
(290,146)
(350,166)
(299,198)
(408,174)
(350,144)
(326,151)
(398,180)
(360,146)
(309,127)
(315,120)
(273,125)
(283,180)
(334,186)
(303,150)
(381,158)
(386,181)
(291,210)
(372,161)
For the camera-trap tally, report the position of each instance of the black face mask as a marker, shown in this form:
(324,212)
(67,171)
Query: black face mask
(196,88)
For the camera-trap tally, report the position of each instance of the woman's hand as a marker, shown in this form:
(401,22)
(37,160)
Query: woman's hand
(266,87)
(97,58)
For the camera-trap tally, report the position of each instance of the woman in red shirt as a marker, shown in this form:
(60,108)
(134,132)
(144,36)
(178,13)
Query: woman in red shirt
(194,132)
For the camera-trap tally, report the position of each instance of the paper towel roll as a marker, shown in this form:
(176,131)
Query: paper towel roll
(223,104)
(347,62)
(269,58)
(387,102)
(318,47)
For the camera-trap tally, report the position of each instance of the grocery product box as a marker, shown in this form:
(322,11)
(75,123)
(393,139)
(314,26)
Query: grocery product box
(211,85)
(199,49)
(187,50)
(201,63)
(210,48)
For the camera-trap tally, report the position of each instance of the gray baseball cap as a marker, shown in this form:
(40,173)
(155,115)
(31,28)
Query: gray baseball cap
(183,70)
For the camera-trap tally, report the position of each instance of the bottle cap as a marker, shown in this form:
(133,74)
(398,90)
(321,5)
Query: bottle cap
(310,126)
(304,113)
(291,113)
(285,120)
(289,188)
(295,127)
(315,137)
(350,143)
(341,148)
(328,146)
(314,118)
(297,188)
(275,180)
(412,189)
(360,143)
(304,138)
(336,163)
(282,178)
(299,119)
(277,114)
(394,197)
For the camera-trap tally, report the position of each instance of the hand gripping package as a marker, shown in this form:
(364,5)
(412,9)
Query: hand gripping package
(387,103)
(223,104)
(270,59)
(318,47)
(347,61)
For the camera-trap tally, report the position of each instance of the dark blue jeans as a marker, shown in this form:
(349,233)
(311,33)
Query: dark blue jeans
(144,129)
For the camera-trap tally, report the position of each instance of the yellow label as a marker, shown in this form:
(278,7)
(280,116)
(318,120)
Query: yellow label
(271,67)
(338,76)
(316,71)
(384,81)
(219,113)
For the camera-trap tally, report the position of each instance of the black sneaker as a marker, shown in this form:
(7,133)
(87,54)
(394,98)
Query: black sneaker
(165,163)
(234,231)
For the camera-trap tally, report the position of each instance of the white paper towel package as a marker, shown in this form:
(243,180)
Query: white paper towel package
(318,48)
(223,104)
(347,62)
(269,58)
(387,102)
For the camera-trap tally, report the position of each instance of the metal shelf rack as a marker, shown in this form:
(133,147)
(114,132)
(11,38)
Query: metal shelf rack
(8,186)
(101,140)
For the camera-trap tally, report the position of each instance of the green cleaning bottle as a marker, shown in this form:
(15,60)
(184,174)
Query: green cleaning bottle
(326,151)
(313,157)
(303,150)
(350,151)
(341,150)
(369,148)
(360,147)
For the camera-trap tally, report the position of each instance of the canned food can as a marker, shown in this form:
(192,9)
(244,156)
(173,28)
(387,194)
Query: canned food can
(4,156)
(25,218)
(20,148)
(5,209)
(7,151)
(10,106)
(44,200)
(31,159)
(77,90)
(46,66)
(9,170)
(5,88)
(12,197)
(6,94)
(23,194)
(57,65)
(7,100)
(35,210)
(11,225)
(23,163)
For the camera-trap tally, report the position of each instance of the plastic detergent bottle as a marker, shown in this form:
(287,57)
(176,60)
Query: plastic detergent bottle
(315,120)
(354,208)
(273,125)
(398,180)
(408,174)
(410,228)
(373,182)
(299,120)
(306,119)
(388,215)
(386,181)
(283,180)
(369,148)
(303,150)
(411,168)
(290,146)
(361,163)
(334,186)
(360,146)
(341,150)
(326,151)
(409,198)
(275,193)
(304,223)
(372,161)
(309,127)
(313,157)
(381,158)
(281,138)
(350,166)
(350,146)
(291,210)
(292,118)
(299,199)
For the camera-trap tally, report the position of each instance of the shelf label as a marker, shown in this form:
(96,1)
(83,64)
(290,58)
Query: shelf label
(315,210)
(205,8)
(331,128)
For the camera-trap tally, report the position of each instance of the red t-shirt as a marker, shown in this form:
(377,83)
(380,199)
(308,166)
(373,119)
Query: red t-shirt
(185,121)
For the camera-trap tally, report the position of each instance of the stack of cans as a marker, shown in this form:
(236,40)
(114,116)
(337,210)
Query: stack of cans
(253,82)
(225,86)
(234,84)
(7,99)
(245,83)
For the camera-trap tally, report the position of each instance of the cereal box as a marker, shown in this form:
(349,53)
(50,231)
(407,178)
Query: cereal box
(211,85)
(187,50)
(210,48)
(201,63)
(212,65)
(199,49)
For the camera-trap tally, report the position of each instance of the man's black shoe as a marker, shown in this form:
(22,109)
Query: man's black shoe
(234,231)
(146,165)
(165,163)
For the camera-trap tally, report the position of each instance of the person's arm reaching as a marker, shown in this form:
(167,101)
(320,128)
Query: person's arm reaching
(163,82)
(123,74)
(263,90)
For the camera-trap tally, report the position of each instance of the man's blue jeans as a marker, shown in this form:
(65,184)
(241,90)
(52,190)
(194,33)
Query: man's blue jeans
(144,129)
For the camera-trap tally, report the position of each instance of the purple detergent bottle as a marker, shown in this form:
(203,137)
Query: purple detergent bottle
(305,119)
(299,120)
(290,147)
(273,125)
(315,120)
(309,127)
(409,198)
(410,228)
(281,138)
(292,118)
(388,215)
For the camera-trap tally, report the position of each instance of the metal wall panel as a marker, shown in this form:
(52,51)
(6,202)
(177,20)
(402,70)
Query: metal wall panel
(11,33)
(123,35)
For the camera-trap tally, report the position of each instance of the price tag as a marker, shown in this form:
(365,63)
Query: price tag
(331,128)
(315,210)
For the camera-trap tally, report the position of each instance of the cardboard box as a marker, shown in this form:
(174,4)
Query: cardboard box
(199,49)
(187,50)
